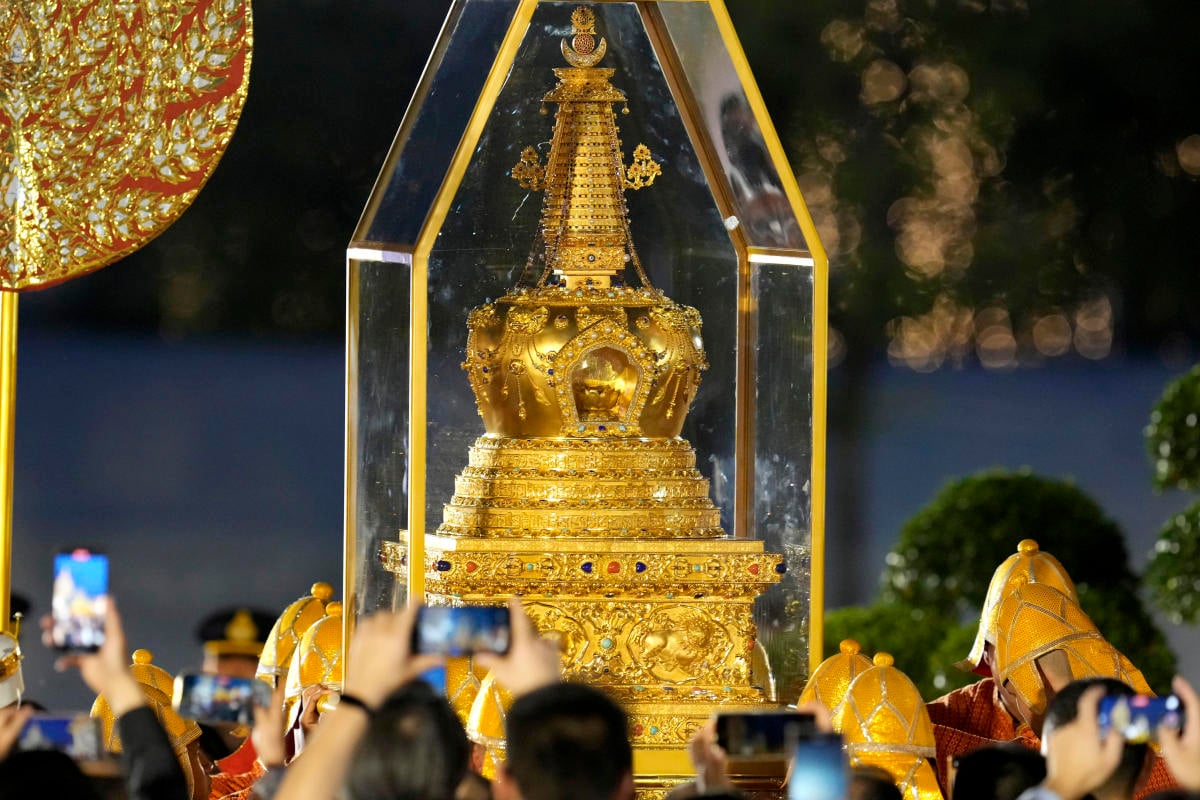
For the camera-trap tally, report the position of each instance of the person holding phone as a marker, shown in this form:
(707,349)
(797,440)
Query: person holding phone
(149,763)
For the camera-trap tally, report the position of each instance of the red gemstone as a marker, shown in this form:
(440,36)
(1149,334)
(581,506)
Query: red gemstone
(637,730)
(472,566)
(753,569)
(614,566)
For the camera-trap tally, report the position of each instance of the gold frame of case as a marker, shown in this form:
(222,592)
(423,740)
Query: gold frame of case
(676,624)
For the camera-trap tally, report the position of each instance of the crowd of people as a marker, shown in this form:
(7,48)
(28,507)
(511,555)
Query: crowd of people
(393,736)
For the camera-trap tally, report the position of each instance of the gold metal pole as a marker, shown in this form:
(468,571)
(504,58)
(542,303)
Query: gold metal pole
(8,418)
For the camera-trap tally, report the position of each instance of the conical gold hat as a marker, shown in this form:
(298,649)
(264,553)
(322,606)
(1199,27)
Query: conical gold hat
(884,723)
(485,725)
(830,680)
(318,658)
(1036,619)
(463,681)
(1028,565)
(149,674)
(181,732)
(286,632)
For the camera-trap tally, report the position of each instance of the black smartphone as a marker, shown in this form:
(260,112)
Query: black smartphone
(219,698)
(77,735)
(462,630)
(756,734)
(819,769)
(1139,717)
(80,600)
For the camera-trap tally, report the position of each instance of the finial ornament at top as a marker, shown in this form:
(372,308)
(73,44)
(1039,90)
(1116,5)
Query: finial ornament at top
(584,51)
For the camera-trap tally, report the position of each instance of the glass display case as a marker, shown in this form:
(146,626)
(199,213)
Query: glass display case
(498,209)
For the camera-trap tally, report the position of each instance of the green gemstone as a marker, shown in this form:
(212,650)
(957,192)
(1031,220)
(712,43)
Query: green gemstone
(606,643)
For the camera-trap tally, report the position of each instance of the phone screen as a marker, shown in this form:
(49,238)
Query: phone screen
(77,735)
(219,698)
(459,631)
(80,599)
(764,733)
(819,769)
(1138,718)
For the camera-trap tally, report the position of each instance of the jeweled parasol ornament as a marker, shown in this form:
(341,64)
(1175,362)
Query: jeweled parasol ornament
(113,115)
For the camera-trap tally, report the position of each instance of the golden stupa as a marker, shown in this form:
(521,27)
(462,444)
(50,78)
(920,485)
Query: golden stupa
(581,496)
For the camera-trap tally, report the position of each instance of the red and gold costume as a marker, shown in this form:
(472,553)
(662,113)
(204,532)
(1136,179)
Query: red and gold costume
(1031,611)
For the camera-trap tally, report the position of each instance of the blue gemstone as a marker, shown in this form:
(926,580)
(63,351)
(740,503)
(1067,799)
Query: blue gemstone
(485,369)
(600,427)
(639,567)
(550,371)
(781,568)
(586,567)
(443,566)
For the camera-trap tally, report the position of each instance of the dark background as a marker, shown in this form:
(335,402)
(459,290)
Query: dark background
(183,408)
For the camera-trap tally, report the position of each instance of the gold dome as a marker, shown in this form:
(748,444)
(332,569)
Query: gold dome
(318,657)
(1036,619)
(149,674)
(485,725)
(884,723)
(286,632)
(463,681)
(181,732)
(1028,565)
(829,681)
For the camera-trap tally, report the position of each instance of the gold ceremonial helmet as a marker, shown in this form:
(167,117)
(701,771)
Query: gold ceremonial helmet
(149,674)
(463,681)
(317,660)
(884,724)
(1027,565)
(830,680)
(285,634)
(1036,619)
(180,732)
(485,725)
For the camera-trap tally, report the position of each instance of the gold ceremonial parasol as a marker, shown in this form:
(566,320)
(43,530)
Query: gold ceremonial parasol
(113,115)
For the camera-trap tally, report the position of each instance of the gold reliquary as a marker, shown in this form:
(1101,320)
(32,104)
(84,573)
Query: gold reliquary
(591,373)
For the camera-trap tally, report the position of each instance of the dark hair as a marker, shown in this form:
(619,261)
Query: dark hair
(567,742)
(414,748)
(998,772)
(872,783)
(44,773)
(1064,707)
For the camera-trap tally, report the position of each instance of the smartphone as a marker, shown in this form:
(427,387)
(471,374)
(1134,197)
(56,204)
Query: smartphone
(80,600)
(219,698)
(462,630)
(77,735)
(819,769)
(1139,717)
(763,733)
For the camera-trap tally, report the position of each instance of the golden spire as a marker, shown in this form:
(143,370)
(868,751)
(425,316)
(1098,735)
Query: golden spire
(585,222)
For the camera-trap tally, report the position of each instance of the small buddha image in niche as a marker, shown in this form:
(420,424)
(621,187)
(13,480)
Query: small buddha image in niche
(603,383)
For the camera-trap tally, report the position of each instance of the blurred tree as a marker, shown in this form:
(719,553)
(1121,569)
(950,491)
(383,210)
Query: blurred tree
(937,576)
(1173,574)
(1173,435)
(1007,180)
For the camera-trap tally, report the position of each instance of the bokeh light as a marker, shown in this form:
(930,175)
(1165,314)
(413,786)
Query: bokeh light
(1188,153)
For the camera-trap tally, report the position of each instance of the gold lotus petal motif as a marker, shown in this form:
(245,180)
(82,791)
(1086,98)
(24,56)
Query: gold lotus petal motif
(113,115)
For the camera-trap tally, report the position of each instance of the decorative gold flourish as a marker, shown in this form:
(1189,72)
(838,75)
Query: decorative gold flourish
(642,172)
(529,172)
(113,116)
